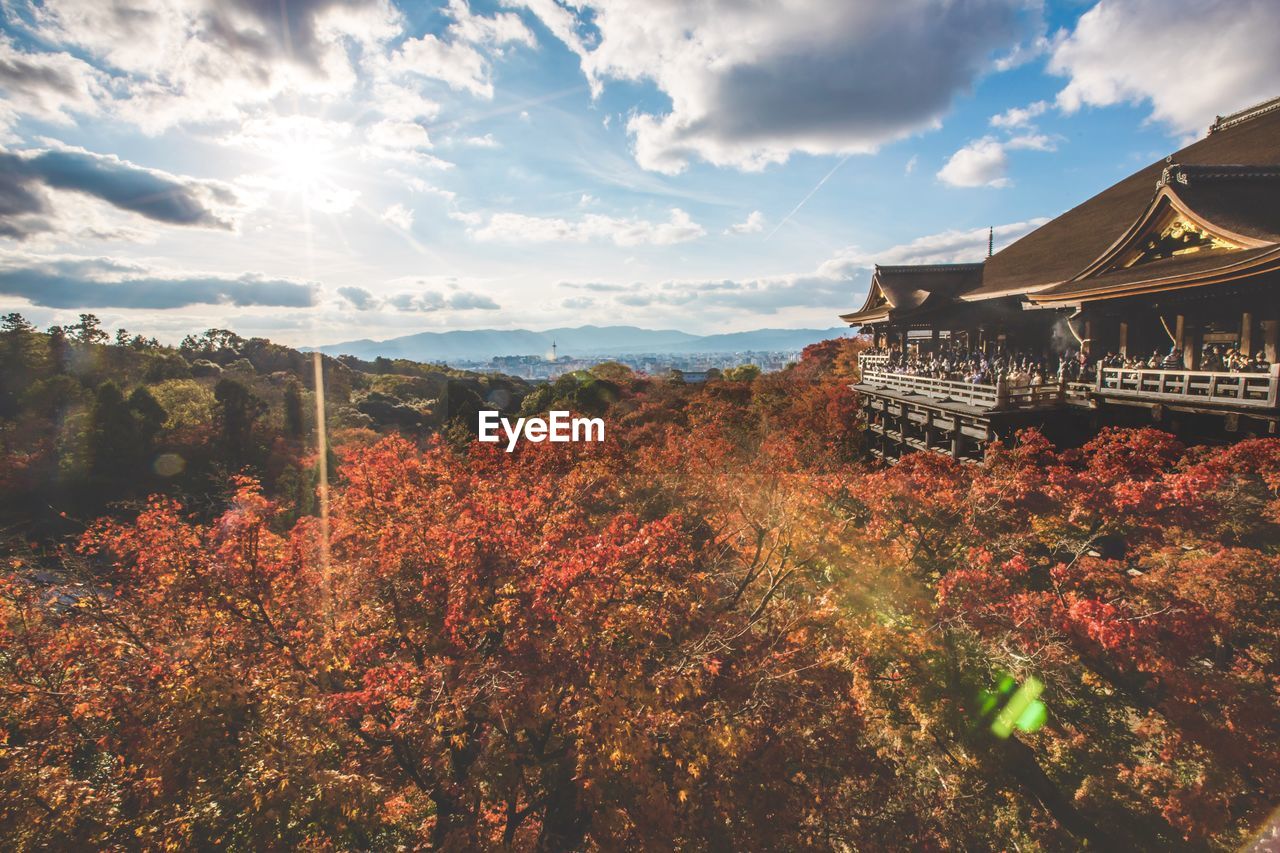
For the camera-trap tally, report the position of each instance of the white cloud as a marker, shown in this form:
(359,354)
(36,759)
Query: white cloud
(831,285)
(486,141)
(981,163)
(399,216)
(1032,142)
(1017,117)
(1189,59)
(461,58)
(750,83)
(753,224)
(45,190)
(985,163)
(426,295)
(49,86)
(911,164)
(204,60)
(520,228)
(955,246)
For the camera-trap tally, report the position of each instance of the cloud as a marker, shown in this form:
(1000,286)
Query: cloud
(205,60)
(49,86)
(467,301)
(753,224)
(26,206)
(486,141)
(985,163)
(911,164)
(831,285)
(952,247)
(981,163)
(71,282)
(461,58)
(427,296)
(429,301)
(1016,117)
(399,216)
(1189,59)
(519,228)
(358,297)
(751,83)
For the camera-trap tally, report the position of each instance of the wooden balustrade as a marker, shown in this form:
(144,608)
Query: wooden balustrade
(1252,390)
(1232,390)
(970,393)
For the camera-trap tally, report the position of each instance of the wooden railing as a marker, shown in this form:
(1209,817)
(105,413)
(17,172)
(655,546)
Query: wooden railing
(1230,390)
(1078,393)
(1252,390)
(970,393)
(940,389)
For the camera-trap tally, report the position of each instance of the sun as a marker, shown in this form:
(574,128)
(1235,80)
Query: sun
(303,164)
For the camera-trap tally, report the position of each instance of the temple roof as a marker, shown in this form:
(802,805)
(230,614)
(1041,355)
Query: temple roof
(898,290)
(1218,177)
(1209,213)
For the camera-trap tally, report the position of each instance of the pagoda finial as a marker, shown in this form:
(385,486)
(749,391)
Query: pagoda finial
(991,240)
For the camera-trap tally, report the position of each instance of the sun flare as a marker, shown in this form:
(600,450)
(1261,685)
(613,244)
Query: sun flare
(303,164)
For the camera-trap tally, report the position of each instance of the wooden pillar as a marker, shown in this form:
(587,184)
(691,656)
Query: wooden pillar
(1179,329)
(1191,334)
(1087,347)
(957,442)
(1270,339)
(1123,341)
(1246,333)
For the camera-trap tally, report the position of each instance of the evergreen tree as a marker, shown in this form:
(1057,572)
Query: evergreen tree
(88,330)
(294,424)
(238,410)
(149,415)
(115,445)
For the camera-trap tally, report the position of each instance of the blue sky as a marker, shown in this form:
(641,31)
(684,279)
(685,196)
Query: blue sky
(321,170)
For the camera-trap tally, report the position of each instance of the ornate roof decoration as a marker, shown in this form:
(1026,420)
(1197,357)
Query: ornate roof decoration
(1224,122)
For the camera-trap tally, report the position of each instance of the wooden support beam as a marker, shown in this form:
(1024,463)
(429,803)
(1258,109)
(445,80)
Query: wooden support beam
(1246,333)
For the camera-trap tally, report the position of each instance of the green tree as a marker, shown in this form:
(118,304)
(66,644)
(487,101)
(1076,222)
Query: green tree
(294,423)
(742,373)
(88,330)
(115,446)
(238,409)
(149,415)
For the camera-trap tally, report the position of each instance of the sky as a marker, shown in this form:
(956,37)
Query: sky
(316,171)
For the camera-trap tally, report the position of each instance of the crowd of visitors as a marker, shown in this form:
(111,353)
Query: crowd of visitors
(956,364)
(1213,357)
(1021,369)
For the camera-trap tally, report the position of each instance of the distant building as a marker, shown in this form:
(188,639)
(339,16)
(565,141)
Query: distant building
(1178,263)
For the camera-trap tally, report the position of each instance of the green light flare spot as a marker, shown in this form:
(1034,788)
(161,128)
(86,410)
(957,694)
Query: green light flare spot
(1033,718)
(1020,704)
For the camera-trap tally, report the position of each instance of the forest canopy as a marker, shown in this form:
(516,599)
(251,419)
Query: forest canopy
(719,628)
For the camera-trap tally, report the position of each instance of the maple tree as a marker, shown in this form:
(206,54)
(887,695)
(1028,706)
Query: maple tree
(717,629)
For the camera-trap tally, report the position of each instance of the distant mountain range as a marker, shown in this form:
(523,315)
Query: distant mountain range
(580,341)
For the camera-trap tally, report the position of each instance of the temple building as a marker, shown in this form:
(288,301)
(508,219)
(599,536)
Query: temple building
(1143,288)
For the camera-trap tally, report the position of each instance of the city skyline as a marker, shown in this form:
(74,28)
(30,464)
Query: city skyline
(335,171)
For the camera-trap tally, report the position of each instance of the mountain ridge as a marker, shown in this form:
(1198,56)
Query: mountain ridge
(581,341)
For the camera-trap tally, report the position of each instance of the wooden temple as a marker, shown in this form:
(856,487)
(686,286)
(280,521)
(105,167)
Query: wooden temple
(1180,259)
